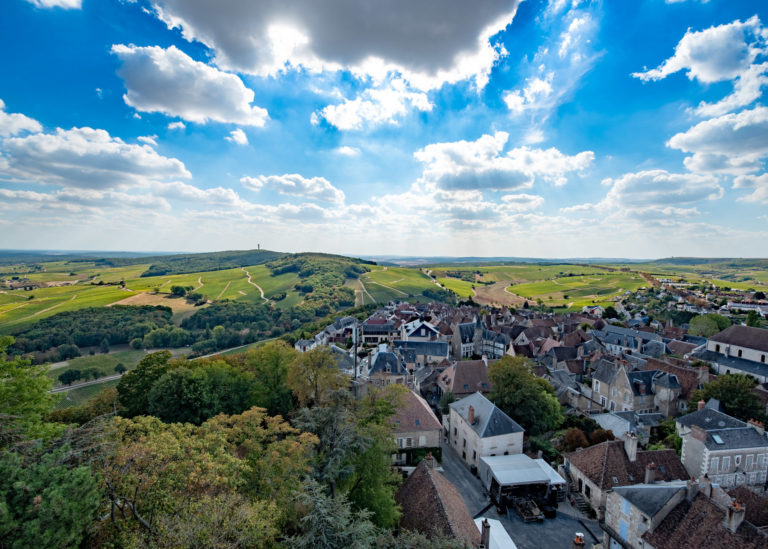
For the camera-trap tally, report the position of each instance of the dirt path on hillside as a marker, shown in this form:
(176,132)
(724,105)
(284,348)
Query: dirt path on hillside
(199,283)
(52,308)
(226,288)
(497,294)
(254,284)
(365,291)
(389,288)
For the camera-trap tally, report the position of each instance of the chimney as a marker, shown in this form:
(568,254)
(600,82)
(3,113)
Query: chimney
(650,473)
(429,461)
(578,541)
(702,405)
(698,433)
(705,486)
(485,534)
(471,415)
(759,427)
(630,446)
(691,489)
(734,516)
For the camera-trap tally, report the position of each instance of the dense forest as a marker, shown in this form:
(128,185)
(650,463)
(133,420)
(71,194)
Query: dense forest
(265,449)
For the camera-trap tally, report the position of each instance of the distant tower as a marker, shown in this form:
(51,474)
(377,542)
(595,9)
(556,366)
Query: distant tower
(258,246)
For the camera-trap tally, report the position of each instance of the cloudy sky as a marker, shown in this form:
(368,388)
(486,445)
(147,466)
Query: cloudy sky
(560,128)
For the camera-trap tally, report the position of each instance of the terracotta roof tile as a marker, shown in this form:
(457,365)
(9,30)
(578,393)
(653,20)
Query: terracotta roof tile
(431,504)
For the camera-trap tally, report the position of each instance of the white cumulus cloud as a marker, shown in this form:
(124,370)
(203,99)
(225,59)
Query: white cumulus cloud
(170,82)
(482,164)
(15,123)
(317,188)
(238,137)
(85,158)
(65,4)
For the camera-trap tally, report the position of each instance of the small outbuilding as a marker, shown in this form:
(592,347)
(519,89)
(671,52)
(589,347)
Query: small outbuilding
(519,476)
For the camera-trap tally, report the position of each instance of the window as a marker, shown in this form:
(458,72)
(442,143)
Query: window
(597,386)
(717,348)
(613,406)
(417,422)
(603,400)
(613,392)
(474,454)
(726,463)
(466,386)
(626,397)
(586,490)
(713,464)
(399,443)
(737,460)
(739,353)
(409,442)
(454,431)
(422,441)
(749,461)
(762,358)
(465,443)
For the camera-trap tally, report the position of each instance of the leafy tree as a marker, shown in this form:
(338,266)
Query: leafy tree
(196,394)
(104,345)
(120,368)
(330,523)
(269,364)
(527,399)
(601,435)
(734,391)
(708,325)
(338,438)
(610,312)
(753,319)
(178,291)
(92,373)
(445,400)
(575,438)
(68,377)
(759,295)
(665,436)
(24,398)
(134,387)
(44,503)
(137,343)
(314,375)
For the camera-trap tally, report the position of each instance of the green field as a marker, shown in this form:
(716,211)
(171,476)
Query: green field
(577,291)
(461,288)
(83,394)
(104,363)
(395,283)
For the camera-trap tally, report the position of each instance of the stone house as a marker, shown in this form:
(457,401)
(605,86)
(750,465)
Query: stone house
(475,427)
(677,514)
(738,350)
(465,378)
(618,389)
(463,340)
(595,470)
(416,430)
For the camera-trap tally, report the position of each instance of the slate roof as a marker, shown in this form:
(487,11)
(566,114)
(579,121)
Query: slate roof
(649,498)
(343,359)
(605,371)
(733,363)
(387,363)
(564,353)
(489,420)
(432,505)
(608,460)
(432,348)
(697,524)
(732,439)
(414,414)
(709,419)
(495,337)
(378,327)
(743,336)
(467,332)
(688,378)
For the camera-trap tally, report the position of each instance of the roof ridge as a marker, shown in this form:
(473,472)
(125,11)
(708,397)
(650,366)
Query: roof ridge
(443,507)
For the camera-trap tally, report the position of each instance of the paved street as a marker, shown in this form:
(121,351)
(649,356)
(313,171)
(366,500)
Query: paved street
(556,532)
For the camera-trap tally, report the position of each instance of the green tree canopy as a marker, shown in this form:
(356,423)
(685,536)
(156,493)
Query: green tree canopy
(24,398)
(44,503)
(314,375)
(734,391)
(527,399)
(269,364)
(708,325)
(134,387)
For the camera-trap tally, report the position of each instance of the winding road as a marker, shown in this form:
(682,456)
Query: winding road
(254,284)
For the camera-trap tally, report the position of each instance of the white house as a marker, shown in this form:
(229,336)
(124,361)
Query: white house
(476,427)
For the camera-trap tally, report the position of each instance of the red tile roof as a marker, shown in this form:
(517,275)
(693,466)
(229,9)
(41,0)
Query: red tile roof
(414,414)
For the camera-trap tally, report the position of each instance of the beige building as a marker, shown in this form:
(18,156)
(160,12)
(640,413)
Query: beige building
(619,390)
(475,427)
(416,430)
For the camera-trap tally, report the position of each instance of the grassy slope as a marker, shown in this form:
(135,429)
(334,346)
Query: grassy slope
(581,290)
(395,283)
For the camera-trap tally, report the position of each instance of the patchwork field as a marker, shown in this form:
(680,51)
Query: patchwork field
(385,284)
(577,291)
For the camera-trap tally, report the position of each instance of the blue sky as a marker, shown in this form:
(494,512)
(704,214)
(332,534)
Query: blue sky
(560,128)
